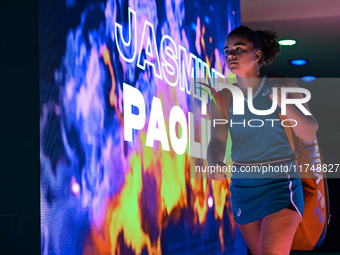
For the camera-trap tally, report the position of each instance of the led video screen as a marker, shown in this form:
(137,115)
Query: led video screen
(115,127)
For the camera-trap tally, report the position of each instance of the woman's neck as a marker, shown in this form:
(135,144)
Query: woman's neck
(247,80)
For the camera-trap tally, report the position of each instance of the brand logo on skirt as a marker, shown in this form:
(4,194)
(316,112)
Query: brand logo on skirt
(238,212)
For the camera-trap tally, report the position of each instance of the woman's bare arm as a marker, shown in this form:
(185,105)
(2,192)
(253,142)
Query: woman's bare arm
(307,124)
(219,132)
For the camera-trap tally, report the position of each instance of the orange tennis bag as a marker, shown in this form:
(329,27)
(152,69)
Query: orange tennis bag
(308,158)
(316,213)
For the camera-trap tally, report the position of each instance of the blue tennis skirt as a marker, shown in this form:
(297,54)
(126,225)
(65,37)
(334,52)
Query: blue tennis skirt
(265,192)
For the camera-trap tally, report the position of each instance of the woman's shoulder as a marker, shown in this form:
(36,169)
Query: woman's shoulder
(275,77)
(282,79)
(225,94)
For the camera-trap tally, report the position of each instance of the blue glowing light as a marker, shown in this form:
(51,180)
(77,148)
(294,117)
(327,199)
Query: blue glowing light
(298,62)
(193,25)
(308,78)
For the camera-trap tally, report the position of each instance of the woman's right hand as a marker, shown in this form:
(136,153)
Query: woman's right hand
(217,175)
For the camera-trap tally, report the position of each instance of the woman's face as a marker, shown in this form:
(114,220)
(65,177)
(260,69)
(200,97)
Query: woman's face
(240,55)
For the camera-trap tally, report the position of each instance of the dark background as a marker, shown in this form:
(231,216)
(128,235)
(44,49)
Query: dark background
(19,128)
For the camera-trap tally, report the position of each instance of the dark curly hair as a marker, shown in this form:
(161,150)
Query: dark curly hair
(264,40)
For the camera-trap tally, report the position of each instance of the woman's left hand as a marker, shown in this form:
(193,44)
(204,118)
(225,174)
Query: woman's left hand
(278,86)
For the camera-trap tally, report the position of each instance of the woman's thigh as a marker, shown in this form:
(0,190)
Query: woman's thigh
(278,230)
(251,234)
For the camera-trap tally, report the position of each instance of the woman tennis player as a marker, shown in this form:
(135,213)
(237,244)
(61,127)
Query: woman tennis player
(267,207)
